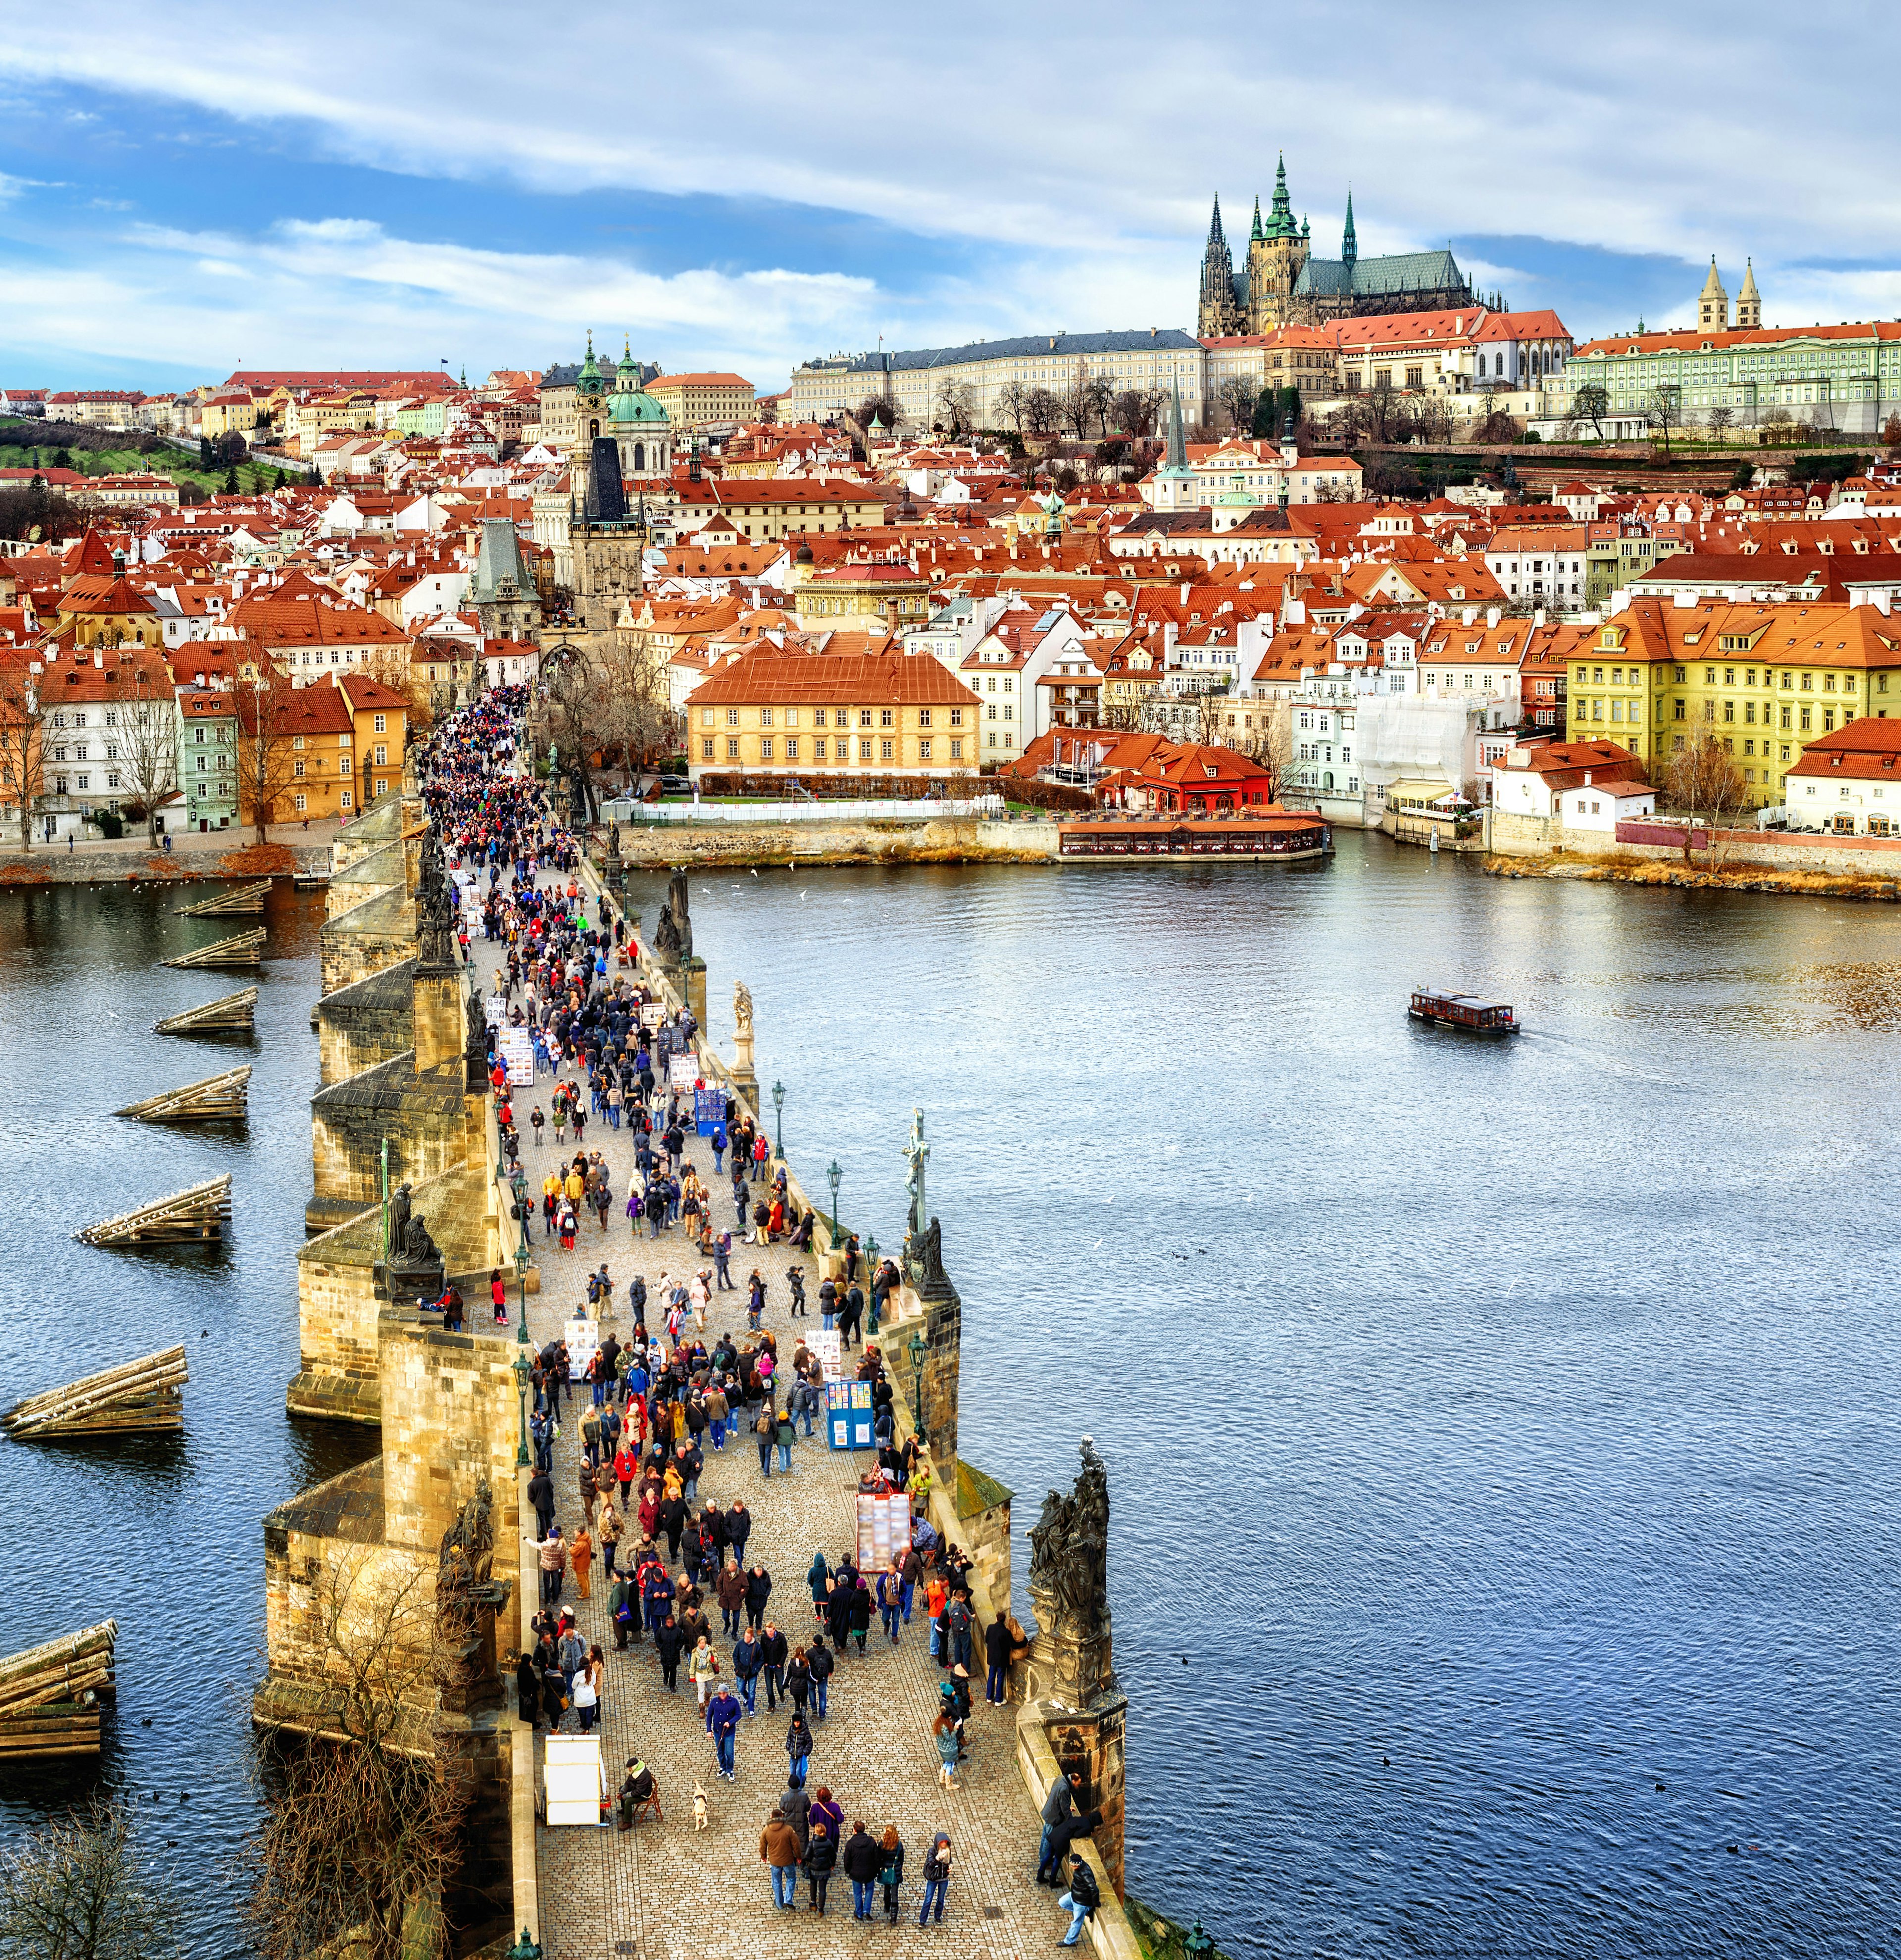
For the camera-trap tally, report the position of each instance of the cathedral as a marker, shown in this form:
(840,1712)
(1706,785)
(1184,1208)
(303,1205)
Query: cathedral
(1280,284)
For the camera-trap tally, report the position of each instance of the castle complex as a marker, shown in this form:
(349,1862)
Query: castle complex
(1280,284)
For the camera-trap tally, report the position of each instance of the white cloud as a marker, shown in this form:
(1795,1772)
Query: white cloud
(343,291)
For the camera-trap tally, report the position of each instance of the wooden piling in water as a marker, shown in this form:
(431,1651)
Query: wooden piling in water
(234,1011)
(52,1696)
(247,948)
(248,899)
(142,1397)
(185,1217)
(217,1099)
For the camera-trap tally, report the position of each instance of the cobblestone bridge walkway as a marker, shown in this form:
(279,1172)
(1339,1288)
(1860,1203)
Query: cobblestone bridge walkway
(664,1891)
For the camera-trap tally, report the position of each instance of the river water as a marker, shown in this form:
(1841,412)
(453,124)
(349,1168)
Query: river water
(1496,1432)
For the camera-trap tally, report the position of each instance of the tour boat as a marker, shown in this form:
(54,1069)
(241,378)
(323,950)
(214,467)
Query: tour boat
(1290,836)
(1462,1010)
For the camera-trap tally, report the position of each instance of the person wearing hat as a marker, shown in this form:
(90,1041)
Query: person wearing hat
(552,1552)
(636,1787)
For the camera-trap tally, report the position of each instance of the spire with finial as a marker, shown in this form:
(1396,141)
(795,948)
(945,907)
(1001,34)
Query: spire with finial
(1749,301)
(1349,238)
(1218,280)
(1256,232)
(1177,456)
(1280,224)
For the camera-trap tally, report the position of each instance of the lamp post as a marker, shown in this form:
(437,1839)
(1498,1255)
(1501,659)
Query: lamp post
(917,1351)
(526,1948)
(522,1370)
(518,1183)
(779,1105)
(1196,1944)
(871,1267)
(834,1177)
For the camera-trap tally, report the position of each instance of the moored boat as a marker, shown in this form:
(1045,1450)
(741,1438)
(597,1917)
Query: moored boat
(1288,836)
(1462,1010)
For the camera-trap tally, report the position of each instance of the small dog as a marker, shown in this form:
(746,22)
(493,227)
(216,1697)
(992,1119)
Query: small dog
(699,1808)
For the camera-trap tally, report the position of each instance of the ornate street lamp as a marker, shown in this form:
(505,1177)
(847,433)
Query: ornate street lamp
(526,1948)
(523,1369)
(779,1105)
(871,1267)
(1196,1944)
(917,1351)
(834,1177)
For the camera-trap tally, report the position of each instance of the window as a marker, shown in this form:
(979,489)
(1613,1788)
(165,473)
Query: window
(865,721)
(956,717)
(201,737)
(791,748)
(766,718)
(884,717)
(957,747)
(381,723)
(706,749)
(706,717)
(884,751)
(924,750)
(299,803)
(296,768)
(297,741)
(345,800)
(924,718)
(732,750)
(818,750)
(864,750)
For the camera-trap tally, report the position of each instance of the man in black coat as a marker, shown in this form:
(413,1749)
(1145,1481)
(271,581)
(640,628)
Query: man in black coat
(773,1655)
(1081,1899)
(541,1494)
(863,1858)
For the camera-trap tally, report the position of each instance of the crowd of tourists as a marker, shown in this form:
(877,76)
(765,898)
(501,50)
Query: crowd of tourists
(647,1410)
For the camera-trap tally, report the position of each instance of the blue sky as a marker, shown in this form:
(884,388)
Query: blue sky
(189,188)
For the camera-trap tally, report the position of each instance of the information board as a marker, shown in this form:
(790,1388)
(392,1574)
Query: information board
(884,1533)
(583,1338)
(516,1046)
(709,1110)
(683,1071)
(652,1013)
(824,1346)
(493,1010)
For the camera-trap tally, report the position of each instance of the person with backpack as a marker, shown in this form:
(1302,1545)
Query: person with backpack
(747,1661)
(765,1433)
(891,1870)
(820,1663)
(821,1854)
(798,1746)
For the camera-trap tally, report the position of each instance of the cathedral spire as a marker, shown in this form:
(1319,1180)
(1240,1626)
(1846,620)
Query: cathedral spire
(1280,224)
(1349,238)
(1256,232)
(1177,456)
(1217,240)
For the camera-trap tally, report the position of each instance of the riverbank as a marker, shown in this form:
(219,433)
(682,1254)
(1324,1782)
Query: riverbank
(1698,877)
(957,840)
(56,866)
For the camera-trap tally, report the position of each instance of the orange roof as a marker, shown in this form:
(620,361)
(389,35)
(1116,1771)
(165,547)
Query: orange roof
(796,678)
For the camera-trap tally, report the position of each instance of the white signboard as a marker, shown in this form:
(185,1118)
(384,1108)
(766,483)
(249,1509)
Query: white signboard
(583,1338)
(884,1532)
(652,1013)
(683,1071)
(493,1010)
(516,1046)
(825,1346)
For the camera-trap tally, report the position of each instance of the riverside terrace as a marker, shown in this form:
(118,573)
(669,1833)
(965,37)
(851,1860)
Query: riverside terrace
(663,1890)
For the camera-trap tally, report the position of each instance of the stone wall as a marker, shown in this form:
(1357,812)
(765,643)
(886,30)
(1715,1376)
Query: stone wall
(51,865)
(939,840)
(374,935)
(432,1126)
(360,1027)
(1655,842)
(337,1312)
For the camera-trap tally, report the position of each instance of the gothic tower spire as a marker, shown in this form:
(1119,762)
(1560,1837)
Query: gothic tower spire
(1349,238)
(1215,314)
(1280,224)
(1256,232)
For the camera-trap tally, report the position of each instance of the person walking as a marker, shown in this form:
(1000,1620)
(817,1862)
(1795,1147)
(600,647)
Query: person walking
(580,1556)
(723,1714)
(758,1589)
(610,1530)
(863,1860)
(821,1854)
(1081,1899)
(729,1589)
(860,1613)
(765,1431)
(787,1434)
(798,1746)
(772,1652)
(798,1679)
(623,1608)
(781,1852)
(890,1600)
(668,1640)
(747,1661)
(891,1870)
(937,1879)
(944,1732)
(820,1663)
(587,1688)
(702,1669)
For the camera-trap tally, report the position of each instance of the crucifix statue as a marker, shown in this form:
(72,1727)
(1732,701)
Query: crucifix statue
(916,1153)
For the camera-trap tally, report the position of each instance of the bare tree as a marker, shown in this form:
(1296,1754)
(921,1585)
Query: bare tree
(141,734)
(22,745)
(1704,782)
(607,701)
(73,1888)
(1237,395)
(1662,412)
(1136,409)
(1385,408)
(1041,410)
(1013,403)
(957,405)
(1101,393)
(1591,403)
(396,668)
(1496,426)
(1432,419)
(361,1843)
(1077,404)
(266,763)
(1722,419)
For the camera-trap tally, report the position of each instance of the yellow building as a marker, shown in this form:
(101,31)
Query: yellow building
(1762,678)
(692,401)
(891,723)
(863,597)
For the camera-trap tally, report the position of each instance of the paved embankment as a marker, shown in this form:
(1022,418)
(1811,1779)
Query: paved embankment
(934,840)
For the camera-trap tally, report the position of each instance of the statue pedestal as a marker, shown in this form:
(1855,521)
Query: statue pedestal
(1084,1715)
(613,873)
(693,987)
